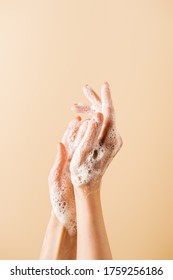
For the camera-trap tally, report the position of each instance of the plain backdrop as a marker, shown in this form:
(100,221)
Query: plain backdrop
(48,51)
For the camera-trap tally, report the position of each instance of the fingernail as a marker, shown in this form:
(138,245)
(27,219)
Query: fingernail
(87,88)
(98,117)
(107,84)
(84,89)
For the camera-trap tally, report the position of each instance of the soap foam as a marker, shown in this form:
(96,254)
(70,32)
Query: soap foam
(62,201)
(93,166)
(61,189)
(96,161)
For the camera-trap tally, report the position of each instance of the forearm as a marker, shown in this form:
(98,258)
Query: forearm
(58,244)
(92,238)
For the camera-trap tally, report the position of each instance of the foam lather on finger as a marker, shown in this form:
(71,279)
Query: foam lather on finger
(81,133)
(106,95)
(83,109)
(71,135)
(82,169)
(93,128)
(90,136)
(71,130)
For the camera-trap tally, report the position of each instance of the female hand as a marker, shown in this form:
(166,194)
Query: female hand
(60,186)
(100,143)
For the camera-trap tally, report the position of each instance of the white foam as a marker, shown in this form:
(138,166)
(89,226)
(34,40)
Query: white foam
(62,200)
(96,161)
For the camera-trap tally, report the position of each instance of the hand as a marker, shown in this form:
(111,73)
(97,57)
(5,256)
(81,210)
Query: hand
(60,186)
(100,143)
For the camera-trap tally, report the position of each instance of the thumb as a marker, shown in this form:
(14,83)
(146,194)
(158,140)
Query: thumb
(60,157)
(58,165)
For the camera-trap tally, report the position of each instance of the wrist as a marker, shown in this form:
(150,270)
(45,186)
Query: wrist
(88,206)
(53,219)
(86,192)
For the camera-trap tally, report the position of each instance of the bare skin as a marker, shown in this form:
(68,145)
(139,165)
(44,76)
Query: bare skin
(95,143)
(58,244)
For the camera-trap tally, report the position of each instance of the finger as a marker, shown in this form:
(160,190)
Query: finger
(107,110)
(92,97)
(93,130)
(91,135)
(58,165)
(71,131)
(85,146)
(61,157)
(106,96)
(83,109)
(81,132)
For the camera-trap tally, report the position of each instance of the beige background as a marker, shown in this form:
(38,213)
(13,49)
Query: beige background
(48,51)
